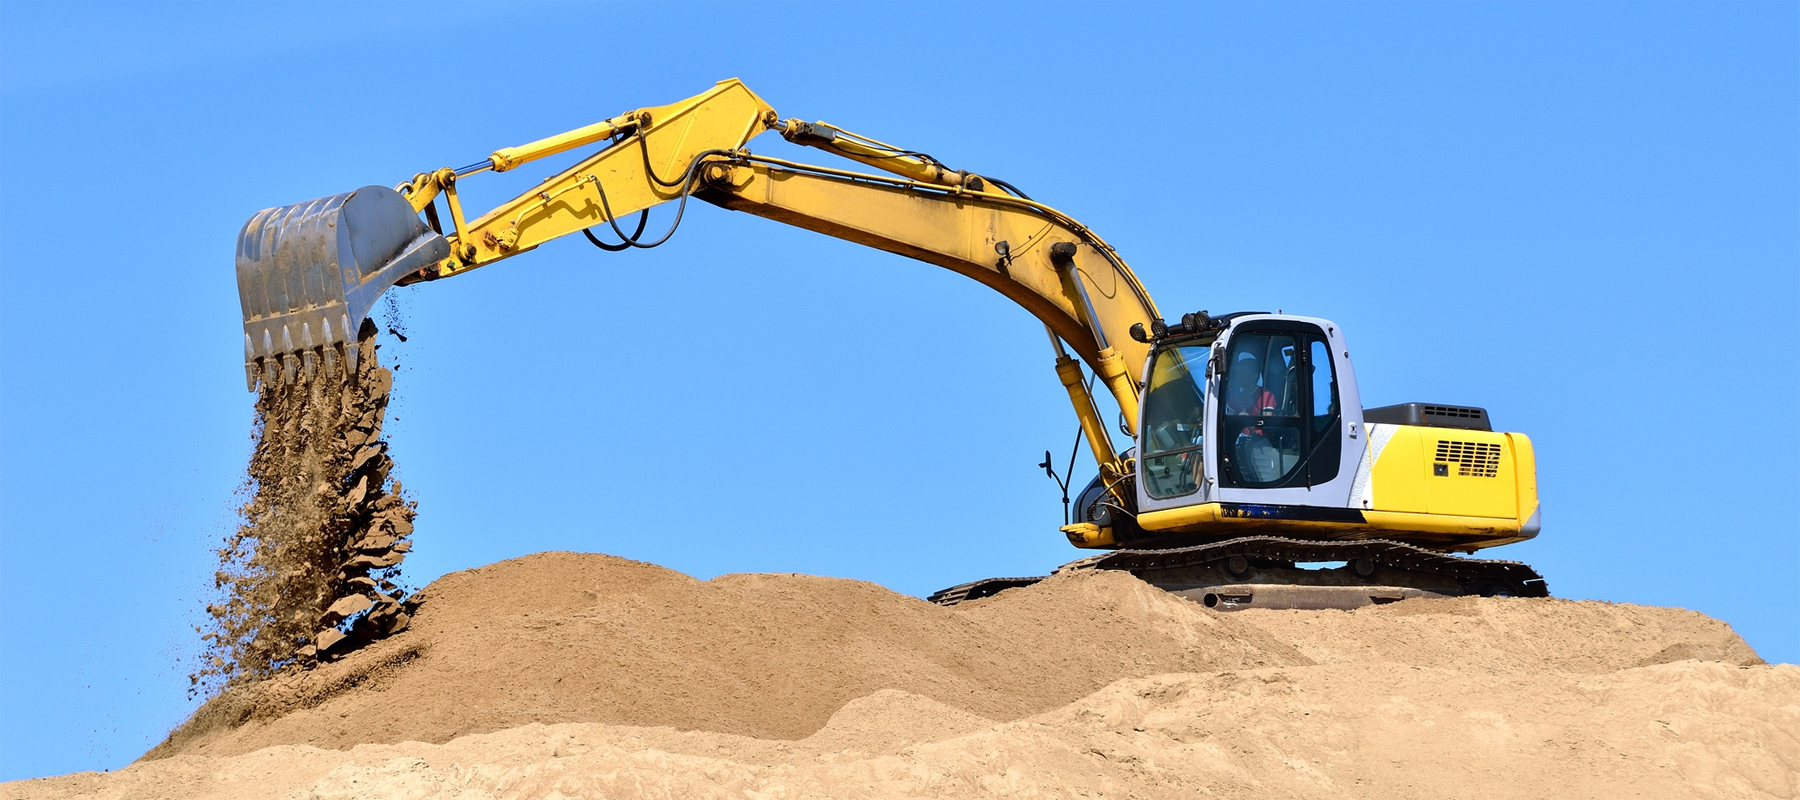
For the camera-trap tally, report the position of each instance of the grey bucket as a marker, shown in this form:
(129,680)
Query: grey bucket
(309,273)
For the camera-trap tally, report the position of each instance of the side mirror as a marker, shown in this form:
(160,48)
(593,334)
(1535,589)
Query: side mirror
(1215,364)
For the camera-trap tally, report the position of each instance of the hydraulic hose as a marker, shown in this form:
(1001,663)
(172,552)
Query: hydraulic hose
(686,183)
(643,218)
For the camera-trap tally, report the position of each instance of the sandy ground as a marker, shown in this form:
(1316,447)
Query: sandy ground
(564,675)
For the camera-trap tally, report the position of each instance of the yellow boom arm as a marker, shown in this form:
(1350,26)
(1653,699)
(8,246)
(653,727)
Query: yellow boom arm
(1040,258)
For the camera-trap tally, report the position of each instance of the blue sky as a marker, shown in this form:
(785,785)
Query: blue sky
(1584,217)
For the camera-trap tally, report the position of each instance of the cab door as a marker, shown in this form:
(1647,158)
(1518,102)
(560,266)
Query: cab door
(1283,432)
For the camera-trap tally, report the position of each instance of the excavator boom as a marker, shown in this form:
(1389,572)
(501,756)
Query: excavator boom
(310,271)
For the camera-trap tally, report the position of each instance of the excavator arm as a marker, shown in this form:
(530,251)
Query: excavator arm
(652,159)
(292,260)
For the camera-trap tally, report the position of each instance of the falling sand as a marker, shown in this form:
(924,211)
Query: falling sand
(310,573)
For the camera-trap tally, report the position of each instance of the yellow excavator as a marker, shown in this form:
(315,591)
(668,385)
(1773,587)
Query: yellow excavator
(1254,477)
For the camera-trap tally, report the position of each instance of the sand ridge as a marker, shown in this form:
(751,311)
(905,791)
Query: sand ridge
(571,675)
(565,637)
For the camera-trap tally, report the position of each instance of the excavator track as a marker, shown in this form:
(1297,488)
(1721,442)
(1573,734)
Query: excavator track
(1265,572)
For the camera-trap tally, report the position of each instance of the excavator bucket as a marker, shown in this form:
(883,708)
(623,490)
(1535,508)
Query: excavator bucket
(309,273)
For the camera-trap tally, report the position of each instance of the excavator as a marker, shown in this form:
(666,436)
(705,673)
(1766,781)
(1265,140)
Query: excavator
(1253,477)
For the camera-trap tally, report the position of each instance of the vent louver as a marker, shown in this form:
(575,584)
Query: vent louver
(1472,459)
(1454,412)
(1432,415)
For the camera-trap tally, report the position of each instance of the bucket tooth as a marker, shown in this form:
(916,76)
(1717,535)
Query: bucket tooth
(328,352)
(250,369)
(309,361)
(289,367)
(314,266)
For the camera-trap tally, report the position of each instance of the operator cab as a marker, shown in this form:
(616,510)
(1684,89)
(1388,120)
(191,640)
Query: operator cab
(1243,413)
(1268,386)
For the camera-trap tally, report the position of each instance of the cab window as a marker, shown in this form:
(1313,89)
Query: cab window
(1260,403)
(1174,412)
(1278,409)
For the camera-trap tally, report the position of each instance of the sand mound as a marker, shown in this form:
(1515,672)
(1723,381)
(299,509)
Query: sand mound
(564,675)
(563,637)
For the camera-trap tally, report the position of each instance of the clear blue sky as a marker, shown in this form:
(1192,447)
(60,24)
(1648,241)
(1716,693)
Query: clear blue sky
(1583,217)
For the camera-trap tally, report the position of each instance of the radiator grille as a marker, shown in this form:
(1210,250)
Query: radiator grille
(1474,459)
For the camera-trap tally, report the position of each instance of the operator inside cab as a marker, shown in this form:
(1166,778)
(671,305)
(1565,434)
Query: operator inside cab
(1261,407)
(1245,394)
